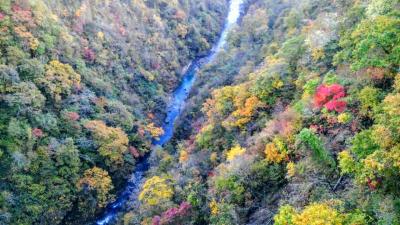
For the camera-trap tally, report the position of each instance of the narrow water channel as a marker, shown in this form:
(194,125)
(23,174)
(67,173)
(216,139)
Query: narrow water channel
(179,96)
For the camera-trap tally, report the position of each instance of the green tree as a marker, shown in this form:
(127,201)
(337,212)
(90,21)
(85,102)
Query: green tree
(67,161)
(364,144)
(230,189)
(374,43)
(20,133)
(25,99)
(31,69)
(292,50)
(222,213)
(381,7)
(369,98)
(8,78)
(15,55)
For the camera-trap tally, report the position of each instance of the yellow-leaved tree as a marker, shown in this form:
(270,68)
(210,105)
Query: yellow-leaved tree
(234,152)
(59,80)
(154,131)
(276,151)
(317,214)
(112,142)
(233,105)
(156,192)
(98,181)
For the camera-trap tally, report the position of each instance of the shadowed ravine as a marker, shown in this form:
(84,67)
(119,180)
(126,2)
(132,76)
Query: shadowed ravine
(178,98)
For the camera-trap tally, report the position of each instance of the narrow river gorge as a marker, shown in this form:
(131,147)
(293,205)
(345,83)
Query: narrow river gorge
(129,196)
(201,112)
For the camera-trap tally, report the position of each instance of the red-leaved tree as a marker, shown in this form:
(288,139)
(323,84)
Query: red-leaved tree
(89,54)
(173,215)
(37,133)
(73,116)
(330,97)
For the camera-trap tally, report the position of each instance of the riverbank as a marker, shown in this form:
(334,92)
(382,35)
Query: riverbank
(174,109)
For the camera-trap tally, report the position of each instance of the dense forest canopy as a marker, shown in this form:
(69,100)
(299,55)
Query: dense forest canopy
(295,122)
(82,90)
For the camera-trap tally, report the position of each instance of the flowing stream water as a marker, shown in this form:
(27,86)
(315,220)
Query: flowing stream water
(175,107)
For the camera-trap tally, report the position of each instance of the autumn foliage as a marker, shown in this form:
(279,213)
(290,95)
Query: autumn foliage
(154,131)
(301,107)
(112,142)
(99,181)
(59,80)
(173,215)
(234,152)
(74,99)
(155,191)
(273,154)
(330,97)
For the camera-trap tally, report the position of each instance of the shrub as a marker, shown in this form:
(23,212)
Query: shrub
(346,162)
(363,144)
(230,189)
(285,215)
(344,118)
(312,141)
(369,99)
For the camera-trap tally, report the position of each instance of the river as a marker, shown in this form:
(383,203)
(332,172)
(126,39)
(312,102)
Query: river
(174,109)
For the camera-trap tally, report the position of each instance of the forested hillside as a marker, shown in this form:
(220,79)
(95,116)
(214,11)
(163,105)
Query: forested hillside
(296,122)
(83,85)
